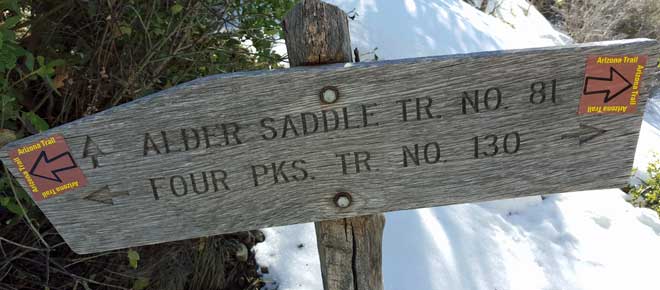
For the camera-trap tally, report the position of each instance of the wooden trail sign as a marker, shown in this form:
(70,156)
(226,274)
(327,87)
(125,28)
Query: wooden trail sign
(250,150)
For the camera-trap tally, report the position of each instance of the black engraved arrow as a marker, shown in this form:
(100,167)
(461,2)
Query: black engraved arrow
(48,168)
(585,133)
(104,195)
(612,87)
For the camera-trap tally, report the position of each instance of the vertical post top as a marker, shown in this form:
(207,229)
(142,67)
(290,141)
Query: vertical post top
(317,33)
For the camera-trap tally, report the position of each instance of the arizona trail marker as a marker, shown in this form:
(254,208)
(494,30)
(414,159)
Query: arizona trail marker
(612,84)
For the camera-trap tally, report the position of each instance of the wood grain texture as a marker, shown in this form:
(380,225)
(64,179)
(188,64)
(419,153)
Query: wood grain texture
(547,160)
(316,33)
(349,248)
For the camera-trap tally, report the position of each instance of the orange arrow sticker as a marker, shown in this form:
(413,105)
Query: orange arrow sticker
(612,84)
(48,167)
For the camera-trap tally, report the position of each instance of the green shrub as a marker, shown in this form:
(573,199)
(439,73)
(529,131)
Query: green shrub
(61,60)
(18,70)
(647,194)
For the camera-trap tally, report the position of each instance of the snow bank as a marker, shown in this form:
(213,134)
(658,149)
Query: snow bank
(416,28)
(589,240)
(291,255)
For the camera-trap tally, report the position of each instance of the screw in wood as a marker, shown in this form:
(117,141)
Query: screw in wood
(329,95)
(343,199)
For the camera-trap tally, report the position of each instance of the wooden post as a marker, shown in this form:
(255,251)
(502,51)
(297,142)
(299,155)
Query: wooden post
(350,249)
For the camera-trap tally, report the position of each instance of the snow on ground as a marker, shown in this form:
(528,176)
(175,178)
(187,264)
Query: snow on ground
(588,240)
(415,28)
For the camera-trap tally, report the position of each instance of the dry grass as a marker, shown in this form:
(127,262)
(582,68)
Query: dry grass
(42,260)
(596,20)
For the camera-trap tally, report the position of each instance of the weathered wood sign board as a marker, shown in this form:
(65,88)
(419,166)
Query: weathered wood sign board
(250,150)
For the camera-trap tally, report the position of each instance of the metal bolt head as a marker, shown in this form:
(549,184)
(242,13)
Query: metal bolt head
(343,199)
(329,95)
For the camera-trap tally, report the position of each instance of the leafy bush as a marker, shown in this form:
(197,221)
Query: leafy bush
(110,52)
(18,70)
(62,60)
(647,194)
(15,76)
